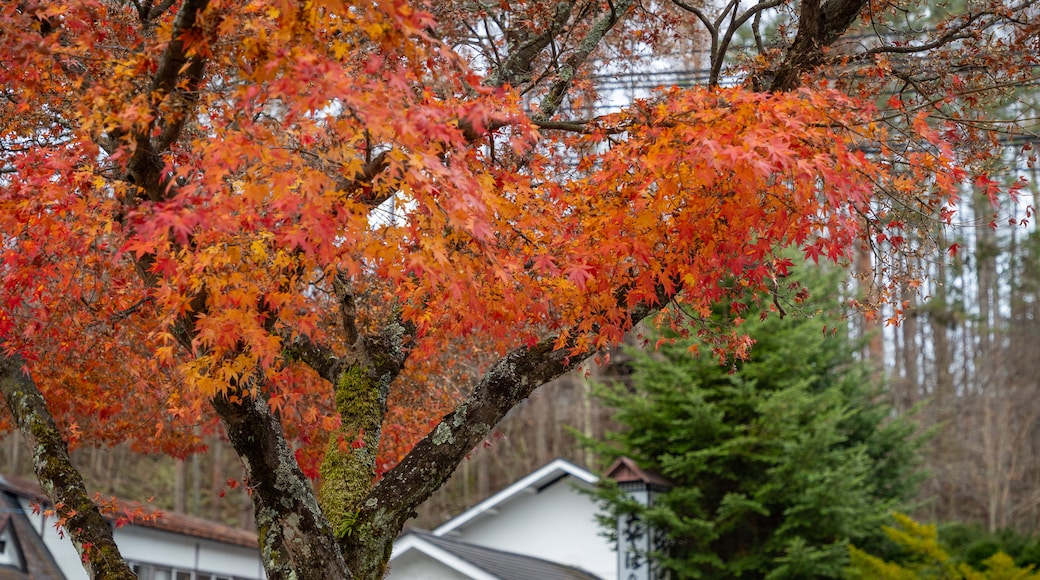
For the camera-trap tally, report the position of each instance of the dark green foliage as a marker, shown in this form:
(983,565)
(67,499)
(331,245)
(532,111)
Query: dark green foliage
(972,544)
(778,462)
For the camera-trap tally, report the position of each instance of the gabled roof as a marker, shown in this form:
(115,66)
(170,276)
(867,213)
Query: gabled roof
(36,561)
(535,481)
(483,563)
(625,470)
(168,521)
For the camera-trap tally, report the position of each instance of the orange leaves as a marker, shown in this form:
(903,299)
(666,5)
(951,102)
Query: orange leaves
(323,139)
(694,203)
(704,189)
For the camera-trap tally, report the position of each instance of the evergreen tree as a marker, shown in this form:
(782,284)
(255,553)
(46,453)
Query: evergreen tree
(778,462)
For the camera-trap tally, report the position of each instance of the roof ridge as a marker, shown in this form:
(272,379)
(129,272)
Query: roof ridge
(548,473)
(164,520)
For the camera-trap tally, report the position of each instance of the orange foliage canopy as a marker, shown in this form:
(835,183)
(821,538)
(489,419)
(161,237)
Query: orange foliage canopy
(278,145)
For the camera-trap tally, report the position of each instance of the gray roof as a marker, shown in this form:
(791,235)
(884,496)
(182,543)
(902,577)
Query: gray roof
(37,561)
(505,565)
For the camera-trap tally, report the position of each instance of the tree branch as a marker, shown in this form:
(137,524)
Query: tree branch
(154,12)
(713,30)
(434,458)
(315,355)
(382,514)
(571,126)
(723,45)
(517,66)
(955,33)
(145,166)
(362,181)
(301,546)
(818,26)
(565,76)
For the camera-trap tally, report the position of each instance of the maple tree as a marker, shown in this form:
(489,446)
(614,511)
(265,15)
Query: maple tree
(194,207)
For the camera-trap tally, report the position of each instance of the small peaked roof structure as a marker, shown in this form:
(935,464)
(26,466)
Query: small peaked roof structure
(625,470)
(536,481)
(483,563)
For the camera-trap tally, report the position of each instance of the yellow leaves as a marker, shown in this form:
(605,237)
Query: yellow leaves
(259,252)
(341,49)
(212,375)
(925,558)
(165,353)
(376,30)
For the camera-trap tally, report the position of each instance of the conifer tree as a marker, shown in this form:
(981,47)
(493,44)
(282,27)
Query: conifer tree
(778,462)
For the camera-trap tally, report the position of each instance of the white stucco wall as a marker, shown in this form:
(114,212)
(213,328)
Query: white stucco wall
(150,546)
(556,524)
(9,556)
(60,547)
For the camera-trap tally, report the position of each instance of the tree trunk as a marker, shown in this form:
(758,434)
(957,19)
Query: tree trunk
(196,485)
(90,533)
(296,541)
(483,474)
(180,491)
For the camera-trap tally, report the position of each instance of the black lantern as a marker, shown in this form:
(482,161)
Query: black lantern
(635,538)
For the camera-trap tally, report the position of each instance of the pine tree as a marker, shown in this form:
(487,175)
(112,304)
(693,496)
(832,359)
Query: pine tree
(778,462)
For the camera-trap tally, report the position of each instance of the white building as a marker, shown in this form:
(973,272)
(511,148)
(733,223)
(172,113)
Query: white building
(171,547)
(541,527)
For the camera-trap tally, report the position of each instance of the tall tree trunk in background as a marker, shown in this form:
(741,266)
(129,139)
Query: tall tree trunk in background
(986,381)
(483,473)
(180,489)
(911,367)
(943,318)
(986,250)
(467,481)
(217,478)
(585,406)
(196,485)
(869,326)
(14,455)
(543,420)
